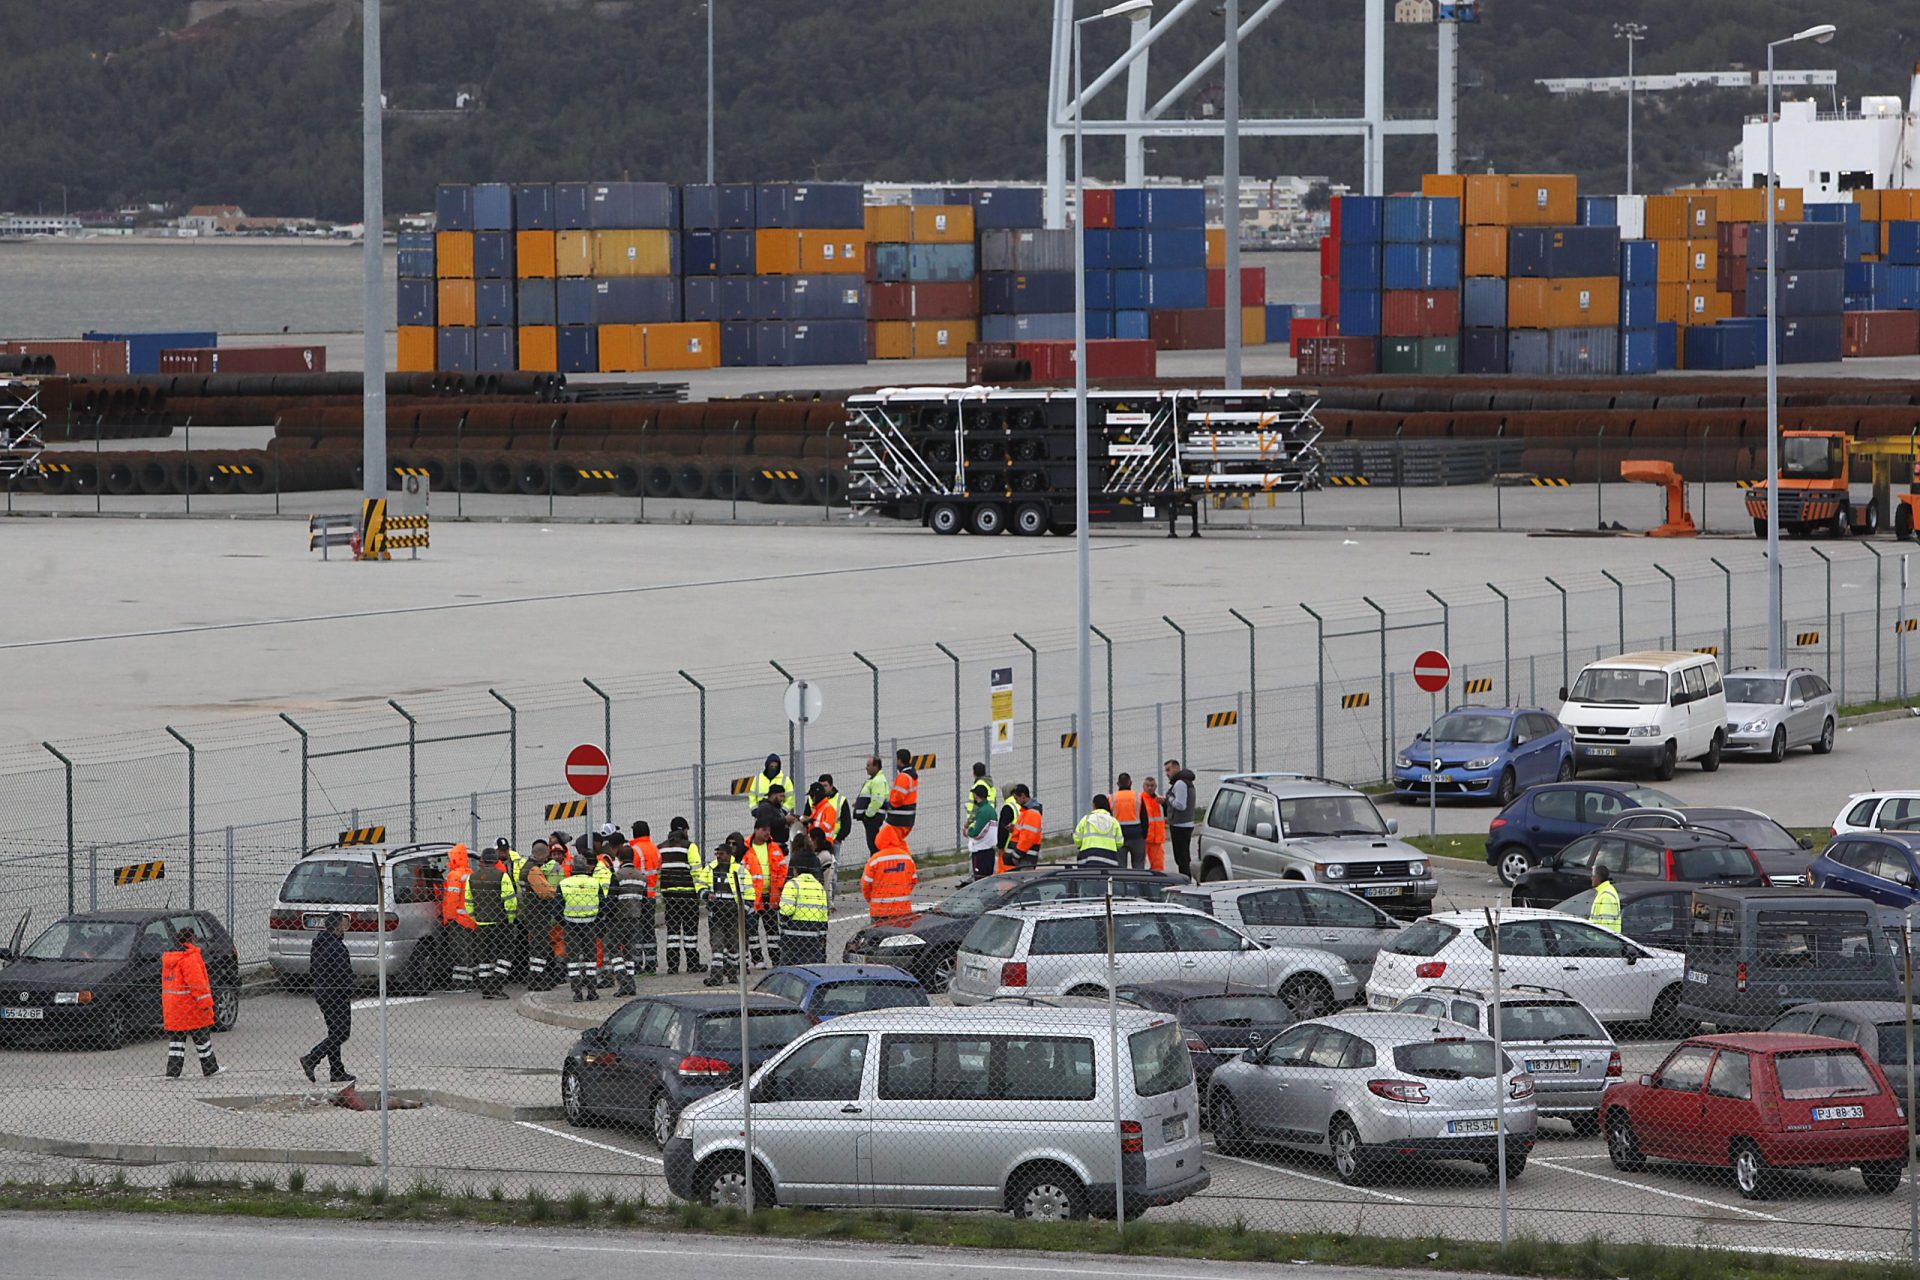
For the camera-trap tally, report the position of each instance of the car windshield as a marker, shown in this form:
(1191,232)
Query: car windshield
(1712,862)
(1620,686)
(83,940)
(1755,833)
(1424,938)
(1545,1021)
(1756,689)
(1236,1011)
(978,897)
(994,936)
(1810,457)
(1330,816)
(768,1028)
(1446,1059)
(1823,1073)
(1471,726)
(1892,1043)
(331,883)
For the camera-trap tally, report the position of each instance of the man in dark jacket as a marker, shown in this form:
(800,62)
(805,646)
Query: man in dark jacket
(331,971)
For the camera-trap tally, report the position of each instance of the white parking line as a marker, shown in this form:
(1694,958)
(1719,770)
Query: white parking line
(1295,1173)
(589,1142)
(1657,1191)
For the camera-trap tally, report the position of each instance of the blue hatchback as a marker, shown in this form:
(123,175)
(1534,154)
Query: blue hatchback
(1484,753)
(829,990)
(1547,818)
(1881,865)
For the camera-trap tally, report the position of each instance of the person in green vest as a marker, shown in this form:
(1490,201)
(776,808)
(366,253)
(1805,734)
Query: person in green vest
(803,912)
(870,803)
(1605,911)
(580,901)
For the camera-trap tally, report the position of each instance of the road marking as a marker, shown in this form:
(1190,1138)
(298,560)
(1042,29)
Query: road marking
(373,1002)
(1658,1191)
(1294,1173)
(589,1142)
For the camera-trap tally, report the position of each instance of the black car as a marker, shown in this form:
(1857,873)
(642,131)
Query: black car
(1783,855)
(1696,855)
(1655,913)
(924,943)
(653,1056)
(92,979)
(1218,1025)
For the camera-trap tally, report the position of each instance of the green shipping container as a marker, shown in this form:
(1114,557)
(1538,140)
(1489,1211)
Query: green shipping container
(1438,355)
(1400,355)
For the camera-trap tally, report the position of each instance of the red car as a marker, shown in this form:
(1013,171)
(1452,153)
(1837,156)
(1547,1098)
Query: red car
(1758,1102)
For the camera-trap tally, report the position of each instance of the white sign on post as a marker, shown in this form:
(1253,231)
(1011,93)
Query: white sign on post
(1000,685)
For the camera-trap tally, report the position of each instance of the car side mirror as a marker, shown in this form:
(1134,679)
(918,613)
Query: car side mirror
(1563,693)
(1263,831)
(1646,1081)
(1633,958)
(1806,842)
(1799,703)
(1393,826)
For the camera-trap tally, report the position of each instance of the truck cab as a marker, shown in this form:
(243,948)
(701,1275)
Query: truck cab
(1815,492)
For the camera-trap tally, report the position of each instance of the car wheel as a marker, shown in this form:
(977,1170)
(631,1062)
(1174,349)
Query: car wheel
(573,1099)
(1841,526)
(1777,750)
(725,1183)
(1903,522)
(1623,1145)
(1212,873)
(661,1119)
(1512,862)
(1350,1159)
(1825,744)
(1566,771)
(1759,527)
(1881,1178)
(1048,1193)
(1308,995)
(114,1028)
(1750,1172)
(940,974)
(1509,788)
(1667,1020)
(226,1007)
(1710,762)
(1029,520)
(1669,761)
(1228,1135)
(1585,1125)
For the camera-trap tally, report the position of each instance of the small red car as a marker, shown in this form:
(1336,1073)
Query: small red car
(1758,1102)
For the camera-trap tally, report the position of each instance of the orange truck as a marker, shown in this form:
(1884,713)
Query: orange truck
(1815,493)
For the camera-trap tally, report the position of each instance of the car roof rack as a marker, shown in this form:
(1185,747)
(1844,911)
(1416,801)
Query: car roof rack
(392,853)
(1282,776)
(1544,990)
(1453,991)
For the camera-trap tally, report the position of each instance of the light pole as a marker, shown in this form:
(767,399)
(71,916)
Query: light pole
(1082,495)
(1633,33)
(1776,641)
(1230,193)
(709,7)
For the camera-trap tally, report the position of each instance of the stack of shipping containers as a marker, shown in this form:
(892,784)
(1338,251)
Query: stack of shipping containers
(1420,264)
(810,253)
(1882,271)
(717,262)
(923,284)
(1026,286)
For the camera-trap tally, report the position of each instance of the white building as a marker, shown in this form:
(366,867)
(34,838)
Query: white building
(33,224)
(1830,153)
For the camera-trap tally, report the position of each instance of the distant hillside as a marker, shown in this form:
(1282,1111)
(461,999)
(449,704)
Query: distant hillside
(257,101)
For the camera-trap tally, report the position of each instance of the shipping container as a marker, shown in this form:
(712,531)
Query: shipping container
(1359,219)
(1190,329)
(1133,326)
(628,300)
(1637,351)
(415,352)
(700,298)
(1902,243)
(493,302)
(1361,266)
(573,253)
(810,206)
(1707,305)
(1483,303)
(1639,262)
(1721,347)
(1599,211)
(414,302)
(1419,314)
(537,304)
(1804,246)
(1670,302)
(1029,250)
(735,253)
(1486,251)
(539,349)
(1440,266)
(937,263)
(1420,355)
(455,303)
(1563,252)
(493,256)
(1009,328)
(997,208)
(815,297)
(495,350)
(276,359)
(1028,293)
(492,207)
(533,254)
(579,349)
(699,253)
(726,206)
(1399,269)
(1590,350)
(887,262)
(1451,185)
(738,346)
(1177,249)
(1902,288)
(619,254)
(943,339)
(886,339)
(1253,287)
(950,300)
(1801,293)
(1666,217)
(572,202)
(1159,207)
(1216,248)
(1338,357)
(1862,240)
(1703,260)
(1099,207)
(414,251)
(1639,306)
(1730,273)
(1440,219)
(812,342)
(681,346)
(1360,313)
(621,348)
(1099,291)
(1562,304)
(1399,355)
(633,206)
(453,255)
(1279,321)
(453,207)
(1666,346)
(1630,216)
(1520,199)
(1402,221)
(1159,290)
(1116,250)
(780,252)
(1483,351)
(1881,333)
(943,224)
(889,224)
(454,353)
(1810,339)
(533,208)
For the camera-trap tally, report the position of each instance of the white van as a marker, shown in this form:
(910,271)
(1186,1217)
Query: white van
(1647,711)
(992,1108)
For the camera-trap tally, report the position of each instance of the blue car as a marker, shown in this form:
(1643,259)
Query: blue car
(1484,753)
(1881,865)
(829,990)
(1547,818)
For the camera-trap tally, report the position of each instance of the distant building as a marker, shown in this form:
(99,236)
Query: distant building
(1413,11)
(206,219)
(33,224)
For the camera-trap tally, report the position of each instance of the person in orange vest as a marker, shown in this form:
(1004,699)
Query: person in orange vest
(1156,817)
(646,857)
(456,923)
(1133,824)
(1023,839)
(186,1006)
(767,863)
(890,878)
(903,799)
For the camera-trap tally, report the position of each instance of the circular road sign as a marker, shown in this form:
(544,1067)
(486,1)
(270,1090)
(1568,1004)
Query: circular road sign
(803,702)
(587,769)
(1431,671)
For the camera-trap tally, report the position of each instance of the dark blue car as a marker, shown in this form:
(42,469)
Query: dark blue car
(1881,865)
(829,990)
(1549,817)
(1484,753)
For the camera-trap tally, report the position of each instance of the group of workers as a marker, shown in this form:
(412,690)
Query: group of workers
(1133,828)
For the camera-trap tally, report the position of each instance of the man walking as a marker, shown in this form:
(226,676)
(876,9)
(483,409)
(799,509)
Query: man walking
(186,1006)
(1180,806)
(491,899)
(870,804)
(1096,837)
(683,878)
(330,969)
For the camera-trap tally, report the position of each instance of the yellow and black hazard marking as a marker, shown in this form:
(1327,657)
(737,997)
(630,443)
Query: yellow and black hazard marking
(1711,650)
(561,810)
(740,786)
(406,522)
(406,532)
(1479,684)
(924,762)
(363,835)
(1348,701)
(55,468)
(1068,741)
(1905,625)
(373,529)
(232,469)
(1349,481)
(139,872)
(410,471)
(781,475)
(592,474)
(1222,719)
(1750,484)
(1805,639)
(1549,482)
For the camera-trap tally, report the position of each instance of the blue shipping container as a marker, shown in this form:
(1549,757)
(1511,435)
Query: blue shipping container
(996,208)
(626,300)
(1599,211)
(453,209)
(1403,221)
(735,253)
(1483,303)
(538,303)
(1131,325)
(1483,351)
(700,298)
(571,202)
(455,350)
(1440,217)
(579,348)
(1177,207)
(817,205)
(1637,351)
(1563,252)
(1279,321)
(1361,219)
(1801,293)
(1639,306)
(1804,246)
(890,263)
(414,249)
(1175,290)
(1903,244)
(1028,328)
(493,302)
(533,208)
(1720,346)
(1834,211)
(1360,266)
(143,349)
(937,263)
(699,253)
(1863,240)
(493,255)
(1902,289)
(1666,345)
(1399,266)
(1129,290)
(1099,325)
(1639,262)
(1440,266)
(821,297)
(1126,249)
(737,346)
(1100,291)
(1186,248)
(492,207)
(1034,293)
(633,206)
(1097,248)
(1359,313)
(717,206)
(1865,277)
(811,342)
(1808,339)
(494,351)
(415,301)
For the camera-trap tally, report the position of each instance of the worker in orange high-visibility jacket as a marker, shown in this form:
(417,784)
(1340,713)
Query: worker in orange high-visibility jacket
(1024,835)
(766,862)
(456,922)
(890,877)
(903,798)
(1133,823)
(186,1005)
(1156,816)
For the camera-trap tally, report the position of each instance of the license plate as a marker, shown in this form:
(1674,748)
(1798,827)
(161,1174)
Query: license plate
(1381,891)
(35,1014)
(1173,1128)
(975,971)
(1433,777)
(314,920)
(1834,1113)
(1694,975)
(1601,751)
(1464,1128)
(1380,1002)
(1553,1066)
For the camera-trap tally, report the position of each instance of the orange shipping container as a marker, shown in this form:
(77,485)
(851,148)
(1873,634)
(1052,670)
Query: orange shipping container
(1253,326)
(694,345)
(620,349)
(942,224)
(1666,218)
(1563,304)
(1444,184)
(1670,260)
(453,255)
(533,251)
(1670,301)
(416,349)
(539,348)
(1217,248)
(1706,304)
(1789,205)
(1869,202)
(1703,212)
(936,339)
(1899,206)
(573,253)
(455,301)
(632,253)
(792,253)
(889,223)
(1521,199)
(1703,258)
(891,339)
(1744,204)
(1486,251)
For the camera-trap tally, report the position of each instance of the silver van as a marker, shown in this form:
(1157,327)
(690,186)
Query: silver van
(343,878)
(993,1108)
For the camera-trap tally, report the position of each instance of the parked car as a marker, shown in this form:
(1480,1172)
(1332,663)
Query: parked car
(993,1108)
(1368,1088)
(1570,1056)
(1656,913)
(1062,949)
(1754,953)
(343,878)
(1547,818)
(653,1056)
(1617,979)
(1878,1026)
(1877,811)
(1760,1102)
(1291,826)
(1696,855)
(829,990)
(1646,712)
(1783,855)
(1880,865)
(92,979)
(1484,753)
(924,943)
(1770,712)
(1296,915)
(1218,1024)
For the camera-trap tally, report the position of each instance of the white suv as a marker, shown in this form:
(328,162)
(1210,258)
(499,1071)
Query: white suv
(1879,811)
(1062,950)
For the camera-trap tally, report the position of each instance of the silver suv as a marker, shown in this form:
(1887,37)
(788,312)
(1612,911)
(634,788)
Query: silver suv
(1292,826)
(1771,712)
(343,878)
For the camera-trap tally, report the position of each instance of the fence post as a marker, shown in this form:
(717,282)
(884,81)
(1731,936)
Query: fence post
(1160,732)
(700,816)
(68,766)
(1320,692)
(1499,490)
(1386,728)
(789,676)
(1827,635)
(1399,478)
(1109,643)
(959,777)
(193,851)
(1183,686)
(1726,659)
(1566,668)
(1841,684)
(513,767)
(1673,606)
(1239,735)
(1506,643)
(473,819)
(1033,658)
(306,841)
(229,918)
(1879,618)
(876,698)
(1446,641)
(606,729)
(1620,606)
(1253,686)
(1600,478)
(413,771)
(1073,731)
(93,877)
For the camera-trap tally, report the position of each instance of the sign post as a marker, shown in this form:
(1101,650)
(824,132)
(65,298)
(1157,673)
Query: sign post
(1431,671)
(1000,685)
(587,770)
(803,705)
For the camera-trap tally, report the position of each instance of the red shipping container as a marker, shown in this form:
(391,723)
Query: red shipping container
(1099,206)
(979,354)
(1731,238)
(1111,358)
(1730,273)
(1881,333)
(1334,357)
(1417,313)
(1330,297)
(950,300)
(889,301)
(76,357)
(1333,219)
(244,360)
(1190,329)
(1329,257)
(1253,286)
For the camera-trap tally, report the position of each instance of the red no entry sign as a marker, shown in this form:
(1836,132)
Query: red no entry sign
(1431,671)
(587,769)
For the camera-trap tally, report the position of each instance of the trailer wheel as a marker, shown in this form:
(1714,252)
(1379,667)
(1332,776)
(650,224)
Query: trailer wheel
(1903,521)
(1841,526)
(944,518)
(988,518)
(1030,519)
(1869,522)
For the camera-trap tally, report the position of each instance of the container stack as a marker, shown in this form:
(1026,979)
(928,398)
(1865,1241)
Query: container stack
(415,295)
(1420,277)
(922,281)
(1882,271)
(810,298)
(1345,339)
(718,264)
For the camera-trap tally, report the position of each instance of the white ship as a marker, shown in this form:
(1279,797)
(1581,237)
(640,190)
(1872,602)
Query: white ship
(1829,154)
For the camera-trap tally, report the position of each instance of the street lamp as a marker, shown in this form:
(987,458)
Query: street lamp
(709,8)
(1633,33)
(1230,190)
(1776,640)
(1082,496)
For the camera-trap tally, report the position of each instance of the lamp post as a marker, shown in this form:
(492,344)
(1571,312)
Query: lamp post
(709,7)
(1230,194)
(1633,33)
(1776,641)
(1082,496)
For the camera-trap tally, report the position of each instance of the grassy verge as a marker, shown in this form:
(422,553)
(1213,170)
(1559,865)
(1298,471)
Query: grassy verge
(1868,708)
(1589,1259)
